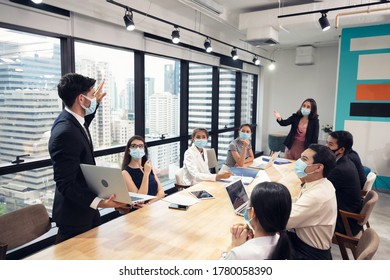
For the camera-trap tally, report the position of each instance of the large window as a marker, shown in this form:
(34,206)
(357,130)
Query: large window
(114,120)
(162,97)
(200,91)
(165,160)
(227,94)
(30,67)
(247,98)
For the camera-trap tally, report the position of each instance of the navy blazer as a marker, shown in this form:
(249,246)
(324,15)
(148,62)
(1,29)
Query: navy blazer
(69,146)
(312,130)
(345,180)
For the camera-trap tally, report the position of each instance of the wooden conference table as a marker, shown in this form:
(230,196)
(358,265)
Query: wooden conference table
(157,232)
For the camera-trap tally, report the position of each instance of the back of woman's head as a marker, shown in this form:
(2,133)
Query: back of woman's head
(272,205)
(127,158)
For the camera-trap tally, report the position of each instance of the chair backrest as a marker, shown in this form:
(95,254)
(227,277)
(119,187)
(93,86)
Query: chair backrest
(369,202)
(22,226)
(370,181)
(179,176)
(212,159)
(275,142)
(367,245)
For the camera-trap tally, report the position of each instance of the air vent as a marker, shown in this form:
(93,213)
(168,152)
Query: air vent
(205,5)
(263,42)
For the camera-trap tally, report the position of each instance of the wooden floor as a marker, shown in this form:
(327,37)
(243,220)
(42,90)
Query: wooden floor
(380,222)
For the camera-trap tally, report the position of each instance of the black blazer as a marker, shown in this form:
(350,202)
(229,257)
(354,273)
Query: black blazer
(354,157)
(345,180)
(68,147)
(311,132)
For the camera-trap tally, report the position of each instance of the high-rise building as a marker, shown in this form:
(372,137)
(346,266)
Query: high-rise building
(29,104)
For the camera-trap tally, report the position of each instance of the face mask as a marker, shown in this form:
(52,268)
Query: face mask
(200,143)
(92,107)
(137,153)
(248,221)
(299,168)
(305,111)
(244,135)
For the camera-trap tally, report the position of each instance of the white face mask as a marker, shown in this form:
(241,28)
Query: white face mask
(92,107)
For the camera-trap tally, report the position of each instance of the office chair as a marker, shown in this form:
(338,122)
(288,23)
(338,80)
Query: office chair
(368,205)
(370,181)
(179,184)
(275,142)
(363,248)
(212,159)
(22,226)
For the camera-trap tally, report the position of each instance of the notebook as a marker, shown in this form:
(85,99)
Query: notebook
(105,181)
(268,164)
(238,196)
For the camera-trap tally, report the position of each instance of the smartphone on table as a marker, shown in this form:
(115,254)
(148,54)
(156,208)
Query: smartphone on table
(178,206)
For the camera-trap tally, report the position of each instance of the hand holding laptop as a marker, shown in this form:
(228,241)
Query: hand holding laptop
(111,203)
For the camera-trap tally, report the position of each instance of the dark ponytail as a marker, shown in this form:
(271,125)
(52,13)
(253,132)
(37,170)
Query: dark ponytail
(272,205)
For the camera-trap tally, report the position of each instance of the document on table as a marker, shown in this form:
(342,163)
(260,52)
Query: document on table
(183,199)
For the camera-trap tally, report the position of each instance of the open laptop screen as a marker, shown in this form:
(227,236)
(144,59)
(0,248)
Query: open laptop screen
(237,194)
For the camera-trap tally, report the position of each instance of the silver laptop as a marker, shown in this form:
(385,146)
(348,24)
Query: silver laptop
(268,164)
(105,181)
(238,196)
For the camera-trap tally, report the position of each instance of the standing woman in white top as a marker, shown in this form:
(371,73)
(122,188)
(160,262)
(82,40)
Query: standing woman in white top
(264,236)
(196,168)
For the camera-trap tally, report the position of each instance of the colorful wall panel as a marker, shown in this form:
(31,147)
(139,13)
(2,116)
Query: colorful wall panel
(363,95)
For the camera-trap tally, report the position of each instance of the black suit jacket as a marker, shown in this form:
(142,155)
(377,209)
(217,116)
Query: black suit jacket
(345,180)
(68,147)
(311,131)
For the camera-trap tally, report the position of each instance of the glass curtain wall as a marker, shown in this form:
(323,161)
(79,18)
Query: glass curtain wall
(30,67)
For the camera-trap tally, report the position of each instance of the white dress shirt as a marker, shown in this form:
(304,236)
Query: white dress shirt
(259,248)
(196,169)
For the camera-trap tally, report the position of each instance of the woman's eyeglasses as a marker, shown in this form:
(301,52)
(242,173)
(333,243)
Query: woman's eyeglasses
(135,146)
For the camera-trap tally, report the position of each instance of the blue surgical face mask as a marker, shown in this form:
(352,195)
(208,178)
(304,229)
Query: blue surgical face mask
(246,219)
(299,168)
(244,135)
(92,107)
(305,111)
(137,153)
(200,143)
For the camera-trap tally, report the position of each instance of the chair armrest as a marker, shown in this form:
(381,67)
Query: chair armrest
(345,241)
(3,250)
(345,215)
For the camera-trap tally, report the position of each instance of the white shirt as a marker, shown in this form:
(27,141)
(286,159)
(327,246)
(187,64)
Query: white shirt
(195,168)
(259,248)
(313,215)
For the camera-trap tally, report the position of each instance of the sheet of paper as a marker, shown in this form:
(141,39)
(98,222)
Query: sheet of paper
(183,199)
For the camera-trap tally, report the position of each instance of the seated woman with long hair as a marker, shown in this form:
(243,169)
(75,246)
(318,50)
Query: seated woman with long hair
(264,236)
(137,170)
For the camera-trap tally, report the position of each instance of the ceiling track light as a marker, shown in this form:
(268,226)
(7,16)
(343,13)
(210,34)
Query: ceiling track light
(256,60)
(234,54)
(324,22)
(128,18)
(207,45)
(271,66)
(175,35)
(37,1)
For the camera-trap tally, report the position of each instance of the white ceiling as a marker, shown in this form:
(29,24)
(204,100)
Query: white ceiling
(258,19)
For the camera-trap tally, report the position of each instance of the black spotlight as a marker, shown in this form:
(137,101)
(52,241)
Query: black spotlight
(128,18)
(234,54)
(256,60)
(176,35)
(37,1)
(207,45)
(324,22)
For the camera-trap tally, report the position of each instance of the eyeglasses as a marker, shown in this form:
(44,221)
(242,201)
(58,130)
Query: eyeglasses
(135,146)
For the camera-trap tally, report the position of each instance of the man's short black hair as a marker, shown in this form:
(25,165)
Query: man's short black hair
(72,85)
(325,156)
(344,139)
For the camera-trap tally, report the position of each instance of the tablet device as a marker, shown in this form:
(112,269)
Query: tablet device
(202,194)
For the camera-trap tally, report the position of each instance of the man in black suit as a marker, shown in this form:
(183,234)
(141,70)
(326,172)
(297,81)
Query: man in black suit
(345,179)
(75,208)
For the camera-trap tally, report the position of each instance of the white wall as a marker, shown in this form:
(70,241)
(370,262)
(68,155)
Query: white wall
(288,85)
